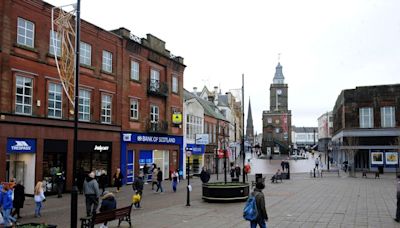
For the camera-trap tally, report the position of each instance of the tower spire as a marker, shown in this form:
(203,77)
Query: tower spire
(278,78)
(250,127)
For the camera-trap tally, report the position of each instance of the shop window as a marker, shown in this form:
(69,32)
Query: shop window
(23,96)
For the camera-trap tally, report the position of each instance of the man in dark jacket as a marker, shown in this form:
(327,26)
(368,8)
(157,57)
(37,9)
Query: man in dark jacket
(92,194)
(137,185)
(159,180)
(262,216)
(60,183)
(204,175)
(19,198)
(108,203)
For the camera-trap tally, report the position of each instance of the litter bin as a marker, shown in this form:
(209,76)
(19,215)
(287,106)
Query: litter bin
(258,177)
(380,169)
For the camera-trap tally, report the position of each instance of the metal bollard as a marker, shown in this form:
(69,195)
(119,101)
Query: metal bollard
(314,172)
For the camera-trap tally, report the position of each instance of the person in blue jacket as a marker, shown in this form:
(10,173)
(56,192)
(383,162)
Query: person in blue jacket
(7,205)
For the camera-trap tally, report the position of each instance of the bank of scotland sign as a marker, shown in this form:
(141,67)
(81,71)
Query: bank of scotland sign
(15,145)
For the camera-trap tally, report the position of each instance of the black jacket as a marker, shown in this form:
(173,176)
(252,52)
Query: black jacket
(260,202)
(19,196)
(159,175)
(138,184)
(109,203)
(204,176)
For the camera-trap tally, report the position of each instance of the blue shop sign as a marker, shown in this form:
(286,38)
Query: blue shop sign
(18,145)
(153,139)
(196,149)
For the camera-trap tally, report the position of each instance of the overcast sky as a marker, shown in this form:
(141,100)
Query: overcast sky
(326,46)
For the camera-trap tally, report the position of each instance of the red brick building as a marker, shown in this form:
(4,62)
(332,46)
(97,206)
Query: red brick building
(36,126)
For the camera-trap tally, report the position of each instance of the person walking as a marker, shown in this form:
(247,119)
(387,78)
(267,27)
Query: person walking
(108,203)
(397,219)
(283,165)
(118,179)
(103,181)
(175,180)
(7,205)
(137,187)
(232,171)
(262,216)
(154,177)
(247,170)
(316,163)
(159,180)
(39,198)
(60,183)
(19,198)
(238,171)
(92,194)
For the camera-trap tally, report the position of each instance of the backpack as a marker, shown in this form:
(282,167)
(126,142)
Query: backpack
(250,212)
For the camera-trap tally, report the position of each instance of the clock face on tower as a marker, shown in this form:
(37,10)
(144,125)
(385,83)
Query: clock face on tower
(279,91)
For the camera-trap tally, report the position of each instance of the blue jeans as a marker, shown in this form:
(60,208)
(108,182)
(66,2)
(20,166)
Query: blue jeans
(7,216)
(159,186)
(37,208)
(253,224)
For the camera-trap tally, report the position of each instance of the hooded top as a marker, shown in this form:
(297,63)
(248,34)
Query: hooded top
(260,202)
(7,199)
(91,187)
(108,203)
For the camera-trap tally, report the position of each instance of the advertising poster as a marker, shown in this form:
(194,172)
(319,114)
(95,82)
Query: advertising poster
(377,158)
(391,158)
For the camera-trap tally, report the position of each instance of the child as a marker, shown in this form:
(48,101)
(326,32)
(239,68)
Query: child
(39,198)
(136,198)
(137,186)
(7,205)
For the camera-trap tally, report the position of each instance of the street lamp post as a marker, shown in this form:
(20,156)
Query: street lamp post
(188,154)
(242,146)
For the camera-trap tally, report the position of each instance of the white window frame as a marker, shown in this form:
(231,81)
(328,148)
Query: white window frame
(85,56)
(154,113)
(134,109)
(388,117)
(107,61)
(175,84)
(25,32)
(26,96)
(366,115)
(84,105)
(106,108)
(135,70)
(54,98)
(54,37)
(154,79)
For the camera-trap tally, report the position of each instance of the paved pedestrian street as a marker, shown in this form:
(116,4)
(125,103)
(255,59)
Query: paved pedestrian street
(300,202)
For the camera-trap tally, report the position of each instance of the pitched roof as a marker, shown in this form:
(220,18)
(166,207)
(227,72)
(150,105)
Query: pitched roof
(210,109)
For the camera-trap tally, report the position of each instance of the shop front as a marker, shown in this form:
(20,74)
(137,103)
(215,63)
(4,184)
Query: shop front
(138,149)
(54,161)
(210,158)
(94,156)
(384,160)
(197,158)
(21,159)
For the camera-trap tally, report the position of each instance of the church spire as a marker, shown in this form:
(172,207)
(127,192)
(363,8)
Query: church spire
(250,127)
(278,78)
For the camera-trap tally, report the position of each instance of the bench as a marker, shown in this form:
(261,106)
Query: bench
(317,173)
(275,178)
(365,171)
(122,214)
(325,171)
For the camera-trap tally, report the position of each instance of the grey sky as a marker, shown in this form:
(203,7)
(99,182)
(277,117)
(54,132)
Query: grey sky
(326,46)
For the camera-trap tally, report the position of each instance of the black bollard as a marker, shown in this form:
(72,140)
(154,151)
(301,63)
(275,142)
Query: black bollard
(314,172)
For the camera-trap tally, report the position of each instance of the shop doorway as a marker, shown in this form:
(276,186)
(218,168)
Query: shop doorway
(54,161)
(173,160)
(161,159)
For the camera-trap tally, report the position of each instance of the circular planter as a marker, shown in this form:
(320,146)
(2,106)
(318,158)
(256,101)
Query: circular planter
(219,191)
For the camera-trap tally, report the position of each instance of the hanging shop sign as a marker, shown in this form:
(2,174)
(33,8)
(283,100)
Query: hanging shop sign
(18,145)
(196,149)
(177,118)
